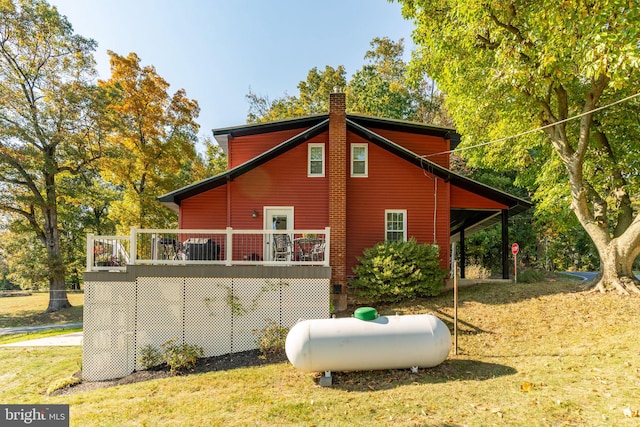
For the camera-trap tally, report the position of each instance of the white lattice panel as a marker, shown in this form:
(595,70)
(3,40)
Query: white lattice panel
(207,314)
(218,314)
(304,299)
(108,349)
(259,300)
(159,317)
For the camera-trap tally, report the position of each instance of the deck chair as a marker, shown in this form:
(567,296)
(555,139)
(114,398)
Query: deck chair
(281,247)
(317,252)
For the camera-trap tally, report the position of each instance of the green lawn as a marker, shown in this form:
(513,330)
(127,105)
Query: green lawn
(529,355)
(29,310)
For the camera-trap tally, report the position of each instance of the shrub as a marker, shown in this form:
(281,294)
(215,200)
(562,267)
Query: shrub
(180,357)
(271,341)
(530,276)
(476,271)
(397,271)
(150,357)
(62,383)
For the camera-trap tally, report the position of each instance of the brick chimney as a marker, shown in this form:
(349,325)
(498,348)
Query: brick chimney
(337,164)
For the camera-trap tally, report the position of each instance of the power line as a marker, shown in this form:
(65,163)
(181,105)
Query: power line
(536,129)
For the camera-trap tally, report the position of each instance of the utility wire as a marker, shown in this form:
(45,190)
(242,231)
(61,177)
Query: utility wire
(536,129)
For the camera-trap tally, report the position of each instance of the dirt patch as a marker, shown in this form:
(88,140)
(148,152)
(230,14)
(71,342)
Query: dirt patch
(207,364)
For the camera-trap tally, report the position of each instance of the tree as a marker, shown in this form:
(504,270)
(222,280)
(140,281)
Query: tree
(48,116)
(151,145)
(513,66)
(380,89)
(313,98)
(214,161)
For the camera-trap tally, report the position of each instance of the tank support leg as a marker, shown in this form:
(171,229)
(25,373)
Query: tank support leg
(326,379)
(414,369)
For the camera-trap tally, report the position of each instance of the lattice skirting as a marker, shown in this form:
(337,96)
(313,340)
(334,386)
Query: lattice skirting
(218,314)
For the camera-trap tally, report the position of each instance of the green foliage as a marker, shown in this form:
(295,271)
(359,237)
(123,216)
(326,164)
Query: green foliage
(398,271)
(50,116)
(530,276)
(180,357)
(379,89)
(271,340)
(510,67)
(150,357)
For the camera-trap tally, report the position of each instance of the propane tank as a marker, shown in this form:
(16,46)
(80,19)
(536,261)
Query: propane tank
(368,342)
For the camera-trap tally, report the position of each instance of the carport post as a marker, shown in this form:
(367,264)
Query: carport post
(505,243)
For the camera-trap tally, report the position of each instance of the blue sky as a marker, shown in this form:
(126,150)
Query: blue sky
(219,50)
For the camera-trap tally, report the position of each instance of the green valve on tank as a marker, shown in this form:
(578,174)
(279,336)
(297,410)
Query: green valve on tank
(366,313)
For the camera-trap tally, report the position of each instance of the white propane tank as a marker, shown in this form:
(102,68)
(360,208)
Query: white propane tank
(354,344)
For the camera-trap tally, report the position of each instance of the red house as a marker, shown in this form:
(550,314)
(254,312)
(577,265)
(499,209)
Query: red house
(365,178)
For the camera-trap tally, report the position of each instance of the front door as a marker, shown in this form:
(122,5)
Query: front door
(276,218)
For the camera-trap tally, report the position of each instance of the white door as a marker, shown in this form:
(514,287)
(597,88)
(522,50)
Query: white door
(276,218)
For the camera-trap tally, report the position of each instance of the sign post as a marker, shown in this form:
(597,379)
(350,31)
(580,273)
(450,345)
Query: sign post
(515,248)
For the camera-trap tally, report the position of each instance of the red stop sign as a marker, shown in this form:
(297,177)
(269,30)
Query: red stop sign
(515,248)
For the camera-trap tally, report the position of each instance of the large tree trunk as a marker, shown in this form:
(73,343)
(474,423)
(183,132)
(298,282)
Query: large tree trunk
(617,268)
(617,254)
(57,288)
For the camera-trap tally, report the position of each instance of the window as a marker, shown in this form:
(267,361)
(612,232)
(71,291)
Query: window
(316,160)
(395,225)
(359,163)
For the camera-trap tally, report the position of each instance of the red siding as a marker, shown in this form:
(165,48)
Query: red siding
(423,145)
(461,199)
(393,184)
(207,210)
(247,147)
(282,181)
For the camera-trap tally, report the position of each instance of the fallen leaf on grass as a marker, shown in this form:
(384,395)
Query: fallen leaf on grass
(527,386)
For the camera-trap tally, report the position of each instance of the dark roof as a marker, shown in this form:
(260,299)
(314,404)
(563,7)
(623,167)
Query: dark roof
(280,125)
(468,219)
(367,121)
(514,203)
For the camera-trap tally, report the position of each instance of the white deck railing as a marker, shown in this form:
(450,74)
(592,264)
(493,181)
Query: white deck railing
(223,247)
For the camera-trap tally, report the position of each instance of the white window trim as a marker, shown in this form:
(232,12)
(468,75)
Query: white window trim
(309,149)
(404,222)
(366,161)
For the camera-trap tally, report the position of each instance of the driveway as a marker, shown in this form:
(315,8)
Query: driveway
(66,340)
(584,275)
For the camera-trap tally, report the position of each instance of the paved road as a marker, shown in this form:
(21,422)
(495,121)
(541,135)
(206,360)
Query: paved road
(26,329)
(584,275)
(71,339)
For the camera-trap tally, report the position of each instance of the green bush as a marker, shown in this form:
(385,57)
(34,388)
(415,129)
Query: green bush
(150,357)
(397,271)
(271,340)
(180,357)
(530,276)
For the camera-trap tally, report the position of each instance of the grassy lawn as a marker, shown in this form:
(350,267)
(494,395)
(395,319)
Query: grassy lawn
(29,310)
(529,355)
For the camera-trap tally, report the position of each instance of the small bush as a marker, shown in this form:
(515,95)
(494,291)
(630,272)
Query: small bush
(150,357)
(530,276)
(476,271)
(271,341)
(63,383)
(180,357)
(397,271)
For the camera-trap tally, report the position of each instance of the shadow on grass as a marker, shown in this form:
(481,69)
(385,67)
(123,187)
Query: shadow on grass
(508,293)
(450,370)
